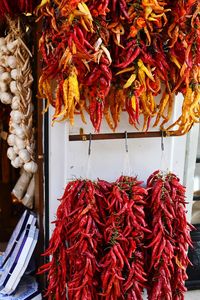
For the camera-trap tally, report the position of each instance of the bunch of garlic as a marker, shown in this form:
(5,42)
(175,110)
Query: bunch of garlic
(15,89)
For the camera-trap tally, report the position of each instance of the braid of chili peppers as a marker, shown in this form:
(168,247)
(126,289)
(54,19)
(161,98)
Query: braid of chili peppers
(84,236)
(168,242)
(123,275)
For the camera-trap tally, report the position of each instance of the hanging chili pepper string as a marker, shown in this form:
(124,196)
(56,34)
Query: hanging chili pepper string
(170,237)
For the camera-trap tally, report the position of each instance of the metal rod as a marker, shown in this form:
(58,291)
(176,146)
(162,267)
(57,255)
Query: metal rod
(113,136)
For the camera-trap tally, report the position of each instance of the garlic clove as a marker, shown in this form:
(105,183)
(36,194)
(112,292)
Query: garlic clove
(24,155)
(30,167)
(11,140)
(11,153)
(6,98)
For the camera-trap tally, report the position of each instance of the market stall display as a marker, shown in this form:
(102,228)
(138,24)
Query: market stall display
(112,240)
(105,57)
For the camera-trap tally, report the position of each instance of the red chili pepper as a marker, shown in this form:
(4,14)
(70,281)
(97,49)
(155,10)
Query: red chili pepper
(130,60)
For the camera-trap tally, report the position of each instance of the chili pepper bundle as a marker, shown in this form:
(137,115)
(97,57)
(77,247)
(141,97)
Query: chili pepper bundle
(167,257)
(122,266)
(75,243)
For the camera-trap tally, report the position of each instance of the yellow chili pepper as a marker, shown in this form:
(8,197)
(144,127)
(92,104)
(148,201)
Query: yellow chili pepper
(129,81)
(126,70)
(162,106)
(144,68)
(133,102)
(141,77)
(175,60)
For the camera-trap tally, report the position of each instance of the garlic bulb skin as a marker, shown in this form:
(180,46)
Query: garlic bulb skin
(11,140)
(5,77)
(20,132)
(13,87)
(3,86)
(24,155)
(12,46)
(17,162)
(12,62)
(11,153)
(16,116)
(20,143)
(6,98)
(15,103)
(14,74)
(30,167)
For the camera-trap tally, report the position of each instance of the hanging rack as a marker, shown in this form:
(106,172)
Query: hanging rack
(117,136)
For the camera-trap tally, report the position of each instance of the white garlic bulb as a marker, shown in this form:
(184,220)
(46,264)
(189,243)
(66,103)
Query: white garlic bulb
(6,98)
(20,132)
(16,116)
(13,87)
(30,167)
(12,62)
(11,140)
(15,103)
(24,155)
(17,162)
(5,77)
(11,153)
(20,143)
(3,86)
(14,74)
(12,46)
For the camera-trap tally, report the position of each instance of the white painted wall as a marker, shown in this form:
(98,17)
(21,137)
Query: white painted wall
(108,159)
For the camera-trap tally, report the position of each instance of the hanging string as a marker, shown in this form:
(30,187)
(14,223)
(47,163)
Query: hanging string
(163,158)
(88,163)
(126,164)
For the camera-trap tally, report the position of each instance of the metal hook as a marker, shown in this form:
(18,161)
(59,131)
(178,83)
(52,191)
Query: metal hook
(90,142)
(126,141)
(162,141)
